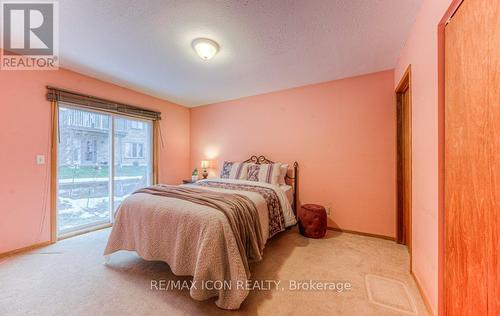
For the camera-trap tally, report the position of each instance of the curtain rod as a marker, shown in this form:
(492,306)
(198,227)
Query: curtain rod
(56,94)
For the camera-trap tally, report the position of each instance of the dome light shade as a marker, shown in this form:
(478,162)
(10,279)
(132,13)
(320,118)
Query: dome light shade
(205,48)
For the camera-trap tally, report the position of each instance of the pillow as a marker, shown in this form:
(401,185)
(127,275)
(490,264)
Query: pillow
(283,172)
(268,173)
(234,170)
(253,173)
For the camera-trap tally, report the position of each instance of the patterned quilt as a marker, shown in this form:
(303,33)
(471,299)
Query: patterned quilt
(276,217)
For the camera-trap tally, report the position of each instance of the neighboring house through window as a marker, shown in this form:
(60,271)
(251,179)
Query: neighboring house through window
(134,150)
(90,150)
(136,124)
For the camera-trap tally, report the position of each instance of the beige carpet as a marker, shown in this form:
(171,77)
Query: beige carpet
(69,278)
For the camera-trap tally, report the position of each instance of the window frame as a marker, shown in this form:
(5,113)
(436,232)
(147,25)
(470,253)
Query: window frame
(152,176)
(134,146)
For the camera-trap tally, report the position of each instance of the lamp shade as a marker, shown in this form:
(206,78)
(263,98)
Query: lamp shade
(205,163)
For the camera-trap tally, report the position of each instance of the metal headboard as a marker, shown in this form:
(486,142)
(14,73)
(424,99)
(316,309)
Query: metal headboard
(259,160)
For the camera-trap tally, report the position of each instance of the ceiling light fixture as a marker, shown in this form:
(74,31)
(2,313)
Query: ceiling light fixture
(205,48)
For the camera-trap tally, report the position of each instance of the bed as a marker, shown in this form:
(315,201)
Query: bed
(210,230)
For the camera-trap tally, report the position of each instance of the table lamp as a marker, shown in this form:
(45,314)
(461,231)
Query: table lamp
(204,166)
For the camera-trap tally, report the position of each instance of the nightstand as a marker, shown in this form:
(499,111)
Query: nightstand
(188,181)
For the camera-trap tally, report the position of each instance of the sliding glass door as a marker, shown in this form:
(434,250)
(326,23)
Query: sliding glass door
(132,156)
(102,158)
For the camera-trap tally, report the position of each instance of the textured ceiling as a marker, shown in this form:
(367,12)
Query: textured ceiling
(266,45)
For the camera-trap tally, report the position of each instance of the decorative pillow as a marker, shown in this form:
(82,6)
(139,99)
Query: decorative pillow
(226,169)
(283,172)
(264,173)
(253,173)
(234,170)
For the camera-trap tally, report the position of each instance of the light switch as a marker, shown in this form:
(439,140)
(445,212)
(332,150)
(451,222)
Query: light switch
(40,159)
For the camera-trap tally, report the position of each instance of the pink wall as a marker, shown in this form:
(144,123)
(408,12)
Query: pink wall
(421,51)
(25,122)
(341,132)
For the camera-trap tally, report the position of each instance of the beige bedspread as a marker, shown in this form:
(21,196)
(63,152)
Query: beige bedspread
(193,239)
(240,211)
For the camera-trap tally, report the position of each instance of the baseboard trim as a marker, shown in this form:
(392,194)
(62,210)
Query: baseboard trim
(83,231)
(422,293)
(24,249)
(46,243)
(362,233)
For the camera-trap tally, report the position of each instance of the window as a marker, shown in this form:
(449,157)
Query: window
(102,159)
(136,125)
(134,150)
(90,151)
(74,118)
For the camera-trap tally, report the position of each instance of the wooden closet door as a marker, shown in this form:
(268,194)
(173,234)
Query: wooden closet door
(472,160)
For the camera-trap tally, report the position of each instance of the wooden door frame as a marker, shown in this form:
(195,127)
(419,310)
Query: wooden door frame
(53,170)
(403,86)
(455,4)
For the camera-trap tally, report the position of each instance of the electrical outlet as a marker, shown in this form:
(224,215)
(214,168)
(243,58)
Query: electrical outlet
(40,159)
